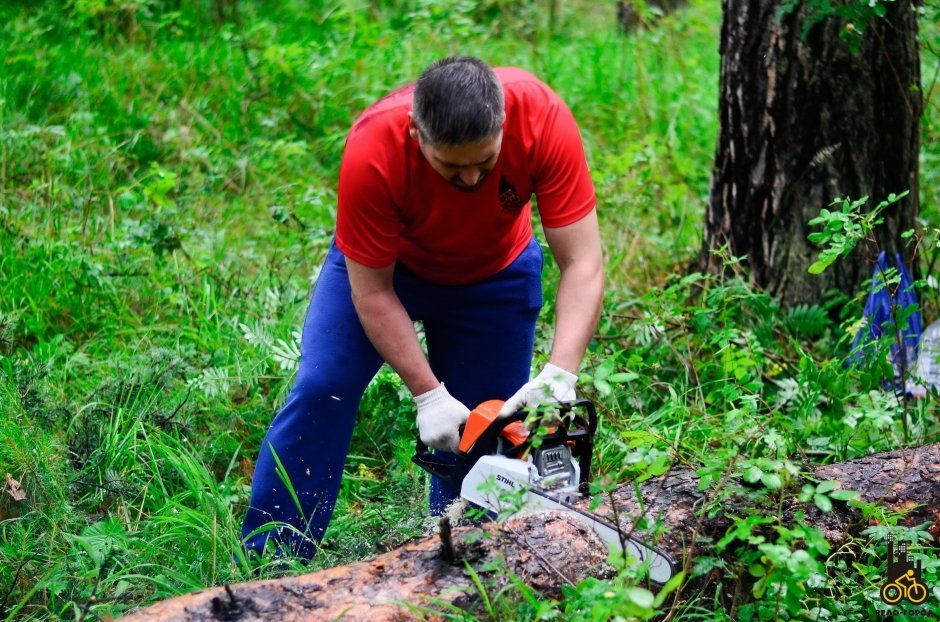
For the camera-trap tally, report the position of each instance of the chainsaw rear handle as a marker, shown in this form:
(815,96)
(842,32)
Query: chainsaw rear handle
(453,472)
(446,469)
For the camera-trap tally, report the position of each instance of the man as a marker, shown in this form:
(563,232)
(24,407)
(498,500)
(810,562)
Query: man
(433,225)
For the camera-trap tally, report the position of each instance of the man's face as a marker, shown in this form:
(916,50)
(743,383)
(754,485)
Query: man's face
(464,166)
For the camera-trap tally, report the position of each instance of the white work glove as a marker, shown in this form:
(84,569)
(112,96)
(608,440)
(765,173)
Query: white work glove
(552,385)
(439,419)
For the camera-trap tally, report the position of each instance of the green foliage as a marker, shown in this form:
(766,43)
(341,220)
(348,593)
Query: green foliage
(823,494)
(844,229)
(717,376)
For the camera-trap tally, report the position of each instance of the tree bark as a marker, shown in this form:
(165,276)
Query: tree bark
(804,120)
(545,550)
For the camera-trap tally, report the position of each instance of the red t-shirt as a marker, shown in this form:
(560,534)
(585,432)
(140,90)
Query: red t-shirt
(394,207)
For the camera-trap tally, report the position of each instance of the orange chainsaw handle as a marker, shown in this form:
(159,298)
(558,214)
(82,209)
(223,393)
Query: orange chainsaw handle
(478,422)
(481,418)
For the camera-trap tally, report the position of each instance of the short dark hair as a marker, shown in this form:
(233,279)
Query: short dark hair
(458,100)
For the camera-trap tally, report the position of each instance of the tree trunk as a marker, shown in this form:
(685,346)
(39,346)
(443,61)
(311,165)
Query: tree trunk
(803,120)
(545,550)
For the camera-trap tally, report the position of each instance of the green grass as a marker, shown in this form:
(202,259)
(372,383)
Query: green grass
(167,194)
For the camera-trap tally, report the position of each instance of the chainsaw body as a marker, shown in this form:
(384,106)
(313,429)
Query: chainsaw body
(497,463)
(561,460)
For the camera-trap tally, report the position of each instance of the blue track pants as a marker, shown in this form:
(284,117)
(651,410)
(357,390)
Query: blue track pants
(479,339)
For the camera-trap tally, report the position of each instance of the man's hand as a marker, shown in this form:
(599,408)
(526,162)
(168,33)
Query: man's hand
(439,419)
(553,384)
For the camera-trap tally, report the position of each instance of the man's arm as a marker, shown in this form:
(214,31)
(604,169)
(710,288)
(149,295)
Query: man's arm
(388,325)
(392,332)
(577,250)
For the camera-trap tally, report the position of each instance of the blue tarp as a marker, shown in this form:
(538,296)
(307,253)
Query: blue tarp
(890,303)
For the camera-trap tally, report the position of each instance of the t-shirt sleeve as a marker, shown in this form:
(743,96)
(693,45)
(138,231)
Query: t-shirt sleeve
(368,226)
(563,183)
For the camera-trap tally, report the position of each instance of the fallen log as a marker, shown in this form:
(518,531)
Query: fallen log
(546,550)
(903,480)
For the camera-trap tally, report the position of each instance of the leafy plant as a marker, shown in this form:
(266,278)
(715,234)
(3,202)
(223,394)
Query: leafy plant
(843,229)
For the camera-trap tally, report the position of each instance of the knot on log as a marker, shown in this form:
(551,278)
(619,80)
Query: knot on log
(228,606)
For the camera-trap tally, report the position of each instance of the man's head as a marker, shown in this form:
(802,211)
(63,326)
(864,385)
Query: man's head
(457,118)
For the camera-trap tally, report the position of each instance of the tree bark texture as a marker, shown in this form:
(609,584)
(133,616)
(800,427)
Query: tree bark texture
(547,550)
(804,120)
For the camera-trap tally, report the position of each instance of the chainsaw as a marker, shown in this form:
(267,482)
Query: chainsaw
(498,459)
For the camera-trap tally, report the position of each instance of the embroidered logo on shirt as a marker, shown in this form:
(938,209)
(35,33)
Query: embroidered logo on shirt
(509,199)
